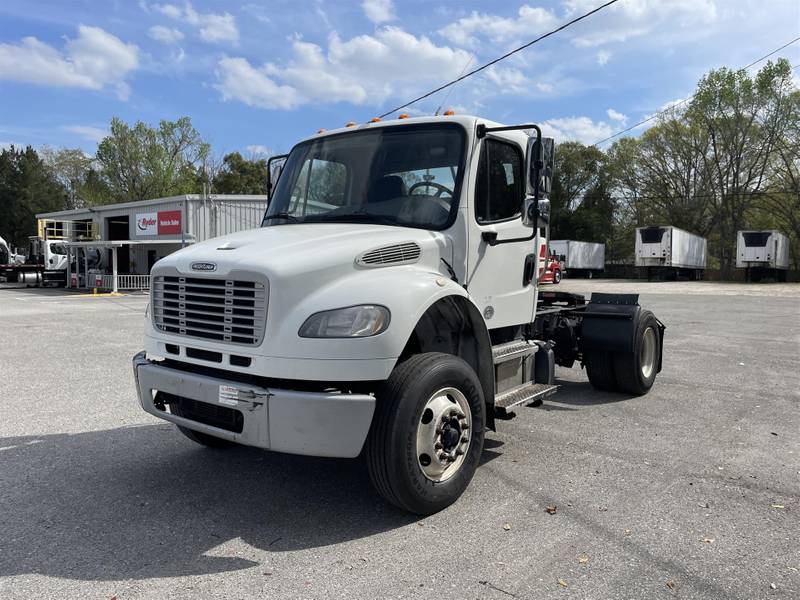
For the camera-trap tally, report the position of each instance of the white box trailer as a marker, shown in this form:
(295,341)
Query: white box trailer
(579,258)
(764,253)
(670,251)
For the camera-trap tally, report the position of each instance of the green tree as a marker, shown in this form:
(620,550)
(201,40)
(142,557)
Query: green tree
(77,172)
(143,162)
(27,187)
(239,175)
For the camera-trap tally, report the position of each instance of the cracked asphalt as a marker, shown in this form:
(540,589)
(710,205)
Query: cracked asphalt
(692,491)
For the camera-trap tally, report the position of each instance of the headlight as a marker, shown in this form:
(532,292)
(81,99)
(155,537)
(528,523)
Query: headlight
(353,321)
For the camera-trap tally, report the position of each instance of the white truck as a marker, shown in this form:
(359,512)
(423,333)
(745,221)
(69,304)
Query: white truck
(387,306)
(46,263)
(763,253)
(579,259)
(670,252)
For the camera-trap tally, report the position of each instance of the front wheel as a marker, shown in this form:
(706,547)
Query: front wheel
(426,438)
(556,276)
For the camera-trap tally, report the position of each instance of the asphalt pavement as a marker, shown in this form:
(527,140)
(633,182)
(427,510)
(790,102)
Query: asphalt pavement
(692,491)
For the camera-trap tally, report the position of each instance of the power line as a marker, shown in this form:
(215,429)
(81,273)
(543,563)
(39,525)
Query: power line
(497,60)
(685,100)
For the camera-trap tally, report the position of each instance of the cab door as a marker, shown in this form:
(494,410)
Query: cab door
(501,279)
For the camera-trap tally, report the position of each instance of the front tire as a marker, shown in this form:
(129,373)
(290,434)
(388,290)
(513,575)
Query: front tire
(556,276)
(426,438)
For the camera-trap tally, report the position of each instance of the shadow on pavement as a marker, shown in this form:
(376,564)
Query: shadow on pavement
(580,393)
(142,502)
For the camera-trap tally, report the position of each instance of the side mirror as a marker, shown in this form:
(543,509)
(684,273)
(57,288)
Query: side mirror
(541,159)
(275,166)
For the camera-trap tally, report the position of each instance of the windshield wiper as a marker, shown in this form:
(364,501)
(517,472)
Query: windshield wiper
(358,217)
(282,215)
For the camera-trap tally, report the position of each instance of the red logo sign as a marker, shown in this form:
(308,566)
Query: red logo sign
(169,221)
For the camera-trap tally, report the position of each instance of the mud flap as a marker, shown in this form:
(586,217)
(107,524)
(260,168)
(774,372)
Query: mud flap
(609,323)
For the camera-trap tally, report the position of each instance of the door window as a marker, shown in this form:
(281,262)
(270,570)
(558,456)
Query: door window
(499,190)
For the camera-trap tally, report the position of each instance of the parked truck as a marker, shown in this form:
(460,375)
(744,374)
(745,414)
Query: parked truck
(579,259)
(670,252)
(763,254)
(388,306)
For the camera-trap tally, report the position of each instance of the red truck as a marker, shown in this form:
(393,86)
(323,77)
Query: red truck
(551,271)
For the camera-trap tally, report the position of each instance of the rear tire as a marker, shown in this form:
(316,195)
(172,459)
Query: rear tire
(636,371)
(420,393)
(600,369)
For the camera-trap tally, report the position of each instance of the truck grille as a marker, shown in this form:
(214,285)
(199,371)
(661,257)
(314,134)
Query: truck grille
(215,309)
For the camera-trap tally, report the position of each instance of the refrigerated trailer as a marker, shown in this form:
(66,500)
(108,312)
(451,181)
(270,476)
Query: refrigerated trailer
(670,252)
(763,253)
(579,259)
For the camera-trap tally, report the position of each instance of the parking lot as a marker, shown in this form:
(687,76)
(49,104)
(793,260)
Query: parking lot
(692,491)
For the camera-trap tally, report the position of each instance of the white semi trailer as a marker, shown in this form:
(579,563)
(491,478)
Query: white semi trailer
(670,252)
(387,306)
(579,259)
(763,253)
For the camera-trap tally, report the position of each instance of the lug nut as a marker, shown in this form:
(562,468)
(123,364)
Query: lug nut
(442,456)
(464,440)
(459,452)
(437,446)
(464,426)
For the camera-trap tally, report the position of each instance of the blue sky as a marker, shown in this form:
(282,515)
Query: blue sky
(259,76)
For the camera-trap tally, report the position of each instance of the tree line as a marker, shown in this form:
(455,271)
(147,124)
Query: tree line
(131,163)
(726,159)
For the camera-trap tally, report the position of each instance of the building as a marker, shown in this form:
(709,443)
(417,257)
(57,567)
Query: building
(118,244)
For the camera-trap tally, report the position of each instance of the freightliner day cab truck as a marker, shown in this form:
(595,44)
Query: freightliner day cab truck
(387,306)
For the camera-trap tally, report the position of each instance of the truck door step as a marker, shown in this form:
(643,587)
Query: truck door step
(527,393)
(510,350)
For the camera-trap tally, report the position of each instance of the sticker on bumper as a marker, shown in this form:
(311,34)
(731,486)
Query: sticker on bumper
(229,395)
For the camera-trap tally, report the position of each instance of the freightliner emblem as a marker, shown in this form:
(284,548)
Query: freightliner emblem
(204,266)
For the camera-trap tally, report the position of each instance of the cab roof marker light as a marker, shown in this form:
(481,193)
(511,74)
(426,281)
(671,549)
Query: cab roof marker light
(449,112)
(374,119)
(350,124)
(322,130)
(402,116)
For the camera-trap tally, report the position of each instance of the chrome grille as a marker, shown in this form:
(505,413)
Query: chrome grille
(405,253)
(215,309)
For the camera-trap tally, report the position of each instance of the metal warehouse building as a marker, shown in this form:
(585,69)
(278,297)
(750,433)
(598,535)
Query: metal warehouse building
(115,245)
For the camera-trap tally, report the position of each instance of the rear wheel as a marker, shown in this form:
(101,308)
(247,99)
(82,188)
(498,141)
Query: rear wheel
(636,371)
(600,369)
(426,437)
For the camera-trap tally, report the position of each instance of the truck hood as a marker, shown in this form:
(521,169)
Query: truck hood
(320,250)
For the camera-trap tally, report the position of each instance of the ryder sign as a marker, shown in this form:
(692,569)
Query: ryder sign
(164,222)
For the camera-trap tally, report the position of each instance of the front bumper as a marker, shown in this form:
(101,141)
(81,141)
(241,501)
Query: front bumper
(311,423)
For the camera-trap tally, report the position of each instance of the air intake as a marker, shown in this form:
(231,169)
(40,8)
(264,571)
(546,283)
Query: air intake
(396,254)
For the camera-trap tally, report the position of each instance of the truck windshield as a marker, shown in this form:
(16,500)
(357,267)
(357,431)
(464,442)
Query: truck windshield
(406,175)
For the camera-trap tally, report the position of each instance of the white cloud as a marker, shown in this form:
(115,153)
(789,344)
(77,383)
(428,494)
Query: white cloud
(603,57)
(93,60)
(529,21)
(363,69)
(213,28)
(165,35)
(633,18)
(581,129)
(87,132)
(508,79)
(617,116)
(260,150)
(379,11)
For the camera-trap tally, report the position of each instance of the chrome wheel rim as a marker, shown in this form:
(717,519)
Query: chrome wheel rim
(444,434)
(647,353)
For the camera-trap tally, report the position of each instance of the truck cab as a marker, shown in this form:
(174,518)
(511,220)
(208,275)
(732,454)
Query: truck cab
(388,305)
